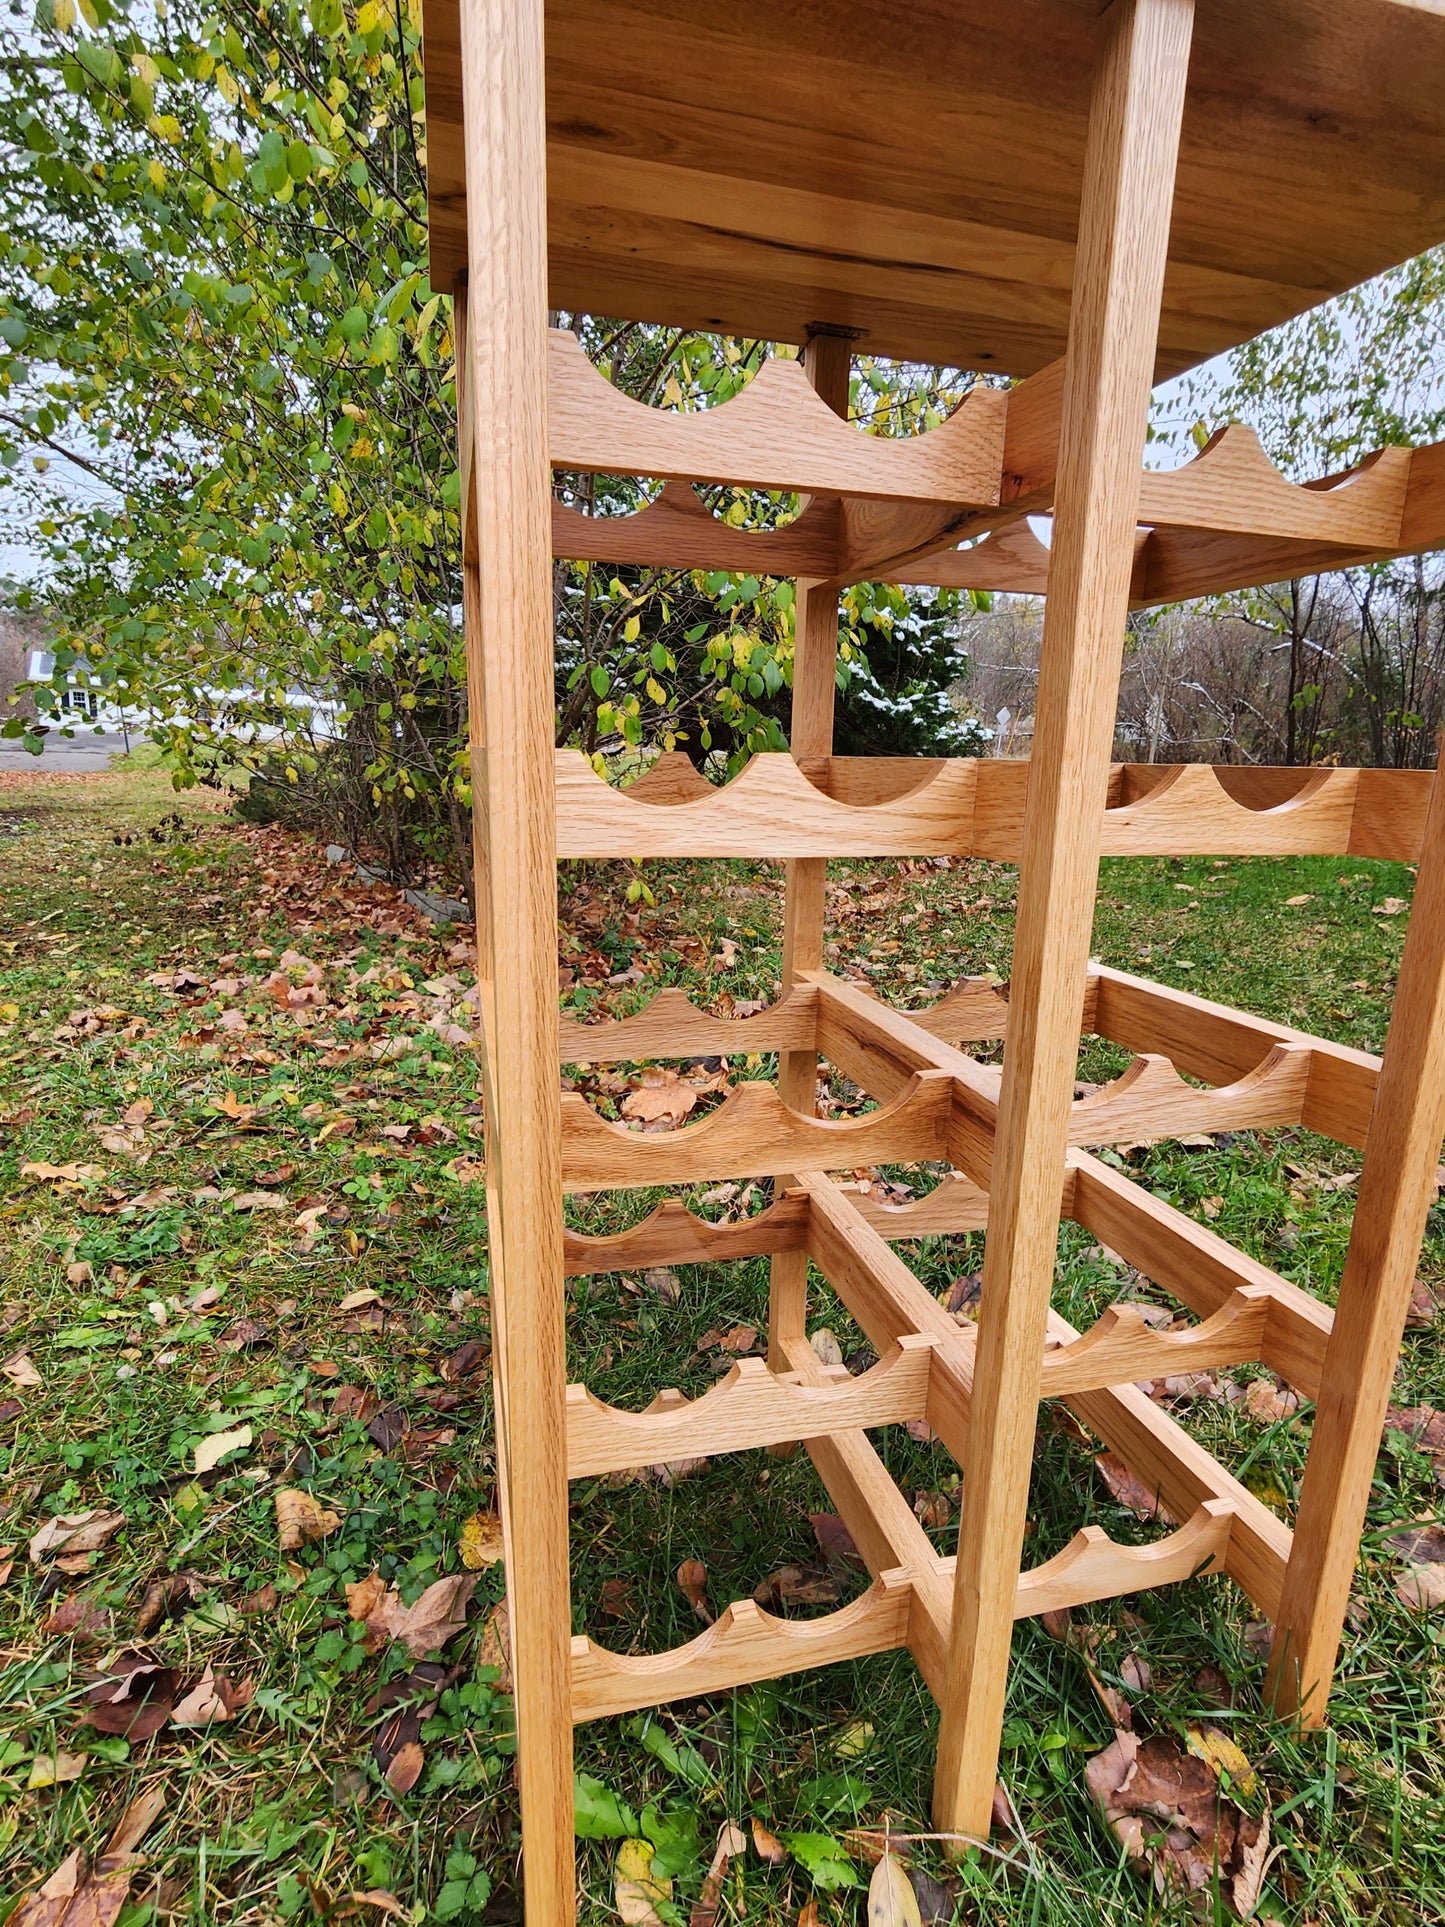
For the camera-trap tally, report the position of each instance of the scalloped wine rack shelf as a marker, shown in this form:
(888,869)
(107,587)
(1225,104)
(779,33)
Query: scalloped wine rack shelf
(779,808)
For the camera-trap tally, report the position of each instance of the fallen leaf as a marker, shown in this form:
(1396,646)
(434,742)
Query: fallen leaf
(20,1371)
(260,1201)
(637,1889)
(834,1539)
(211,1700)
(355,1299)
(480,1544)
(692,1583)
(617,1598)
(1293,903)
(215,1447)
(301,1519)
(1421,1588)
(663,1104)
(75,1532)
(379,1898)
(405,1769)
(1269,1402)
(740,1339)
(165,1596)
(1391,907)
(245,1333)
(423,1627)
(55,1769)
(663,1284)
(767,1845)
(132,1698)
(73,1897)
(825,1347)
(854,1741)
(1140,1499)
(63,1173)
(891,1899)
(79,1616)
(1167,1809)
(731,1841)
(797,1586)
(1225,1755)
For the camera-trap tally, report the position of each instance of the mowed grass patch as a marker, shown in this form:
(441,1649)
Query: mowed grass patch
(245,1072)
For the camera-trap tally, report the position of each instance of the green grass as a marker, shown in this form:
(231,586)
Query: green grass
(284,1811)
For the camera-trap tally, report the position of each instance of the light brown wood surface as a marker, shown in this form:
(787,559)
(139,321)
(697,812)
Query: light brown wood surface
(760,170)
(753,1134)
(751,1406)
(777,433)
(509,634)
(1397,1186)
(744,1643)
(671,1025)
(1135,110)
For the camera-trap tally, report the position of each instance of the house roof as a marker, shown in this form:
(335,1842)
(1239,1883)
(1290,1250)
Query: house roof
(911,168)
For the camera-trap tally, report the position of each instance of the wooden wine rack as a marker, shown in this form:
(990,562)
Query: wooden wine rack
(946,507)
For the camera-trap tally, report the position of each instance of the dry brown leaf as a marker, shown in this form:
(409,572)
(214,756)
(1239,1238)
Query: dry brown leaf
(260,1201)
(1167,1808)
(302,1519)
(767,1845)
(423,1627)
(73,1897)
(212,1699)
(663,1104)
(80,1617)
(405,1769)
(1140,1499)
(731,1841)
(480,1544)
(891,1899)
(825,1347)
(496,1646)
(692,1582)
(75,1533)
(810,1917)
(1269,1402)
(20,1371)
(354,1300)
(1421,1588)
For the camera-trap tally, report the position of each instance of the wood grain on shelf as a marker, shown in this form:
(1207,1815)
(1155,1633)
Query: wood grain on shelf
(1150,1099)
(753,1133)
(776,433)
(671,1025)
(679,531)
(1231,484)
(672,1235)
(743,1644)
(1121,1348)
(1094,1566)
(751,1406)
(769,810)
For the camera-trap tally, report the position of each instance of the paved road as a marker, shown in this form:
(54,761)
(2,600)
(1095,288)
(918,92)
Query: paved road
(84,751)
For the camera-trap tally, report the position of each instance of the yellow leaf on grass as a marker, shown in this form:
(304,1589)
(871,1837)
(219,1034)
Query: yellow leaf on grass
(637,1889)
(1218,1750)
(891,1899)
(212,1450)
(300,1519)
(54,1769)
(354,1300)
(481,1541)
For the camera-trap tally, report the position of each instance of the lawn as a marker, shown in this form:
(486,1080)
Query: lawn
(245,1302)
